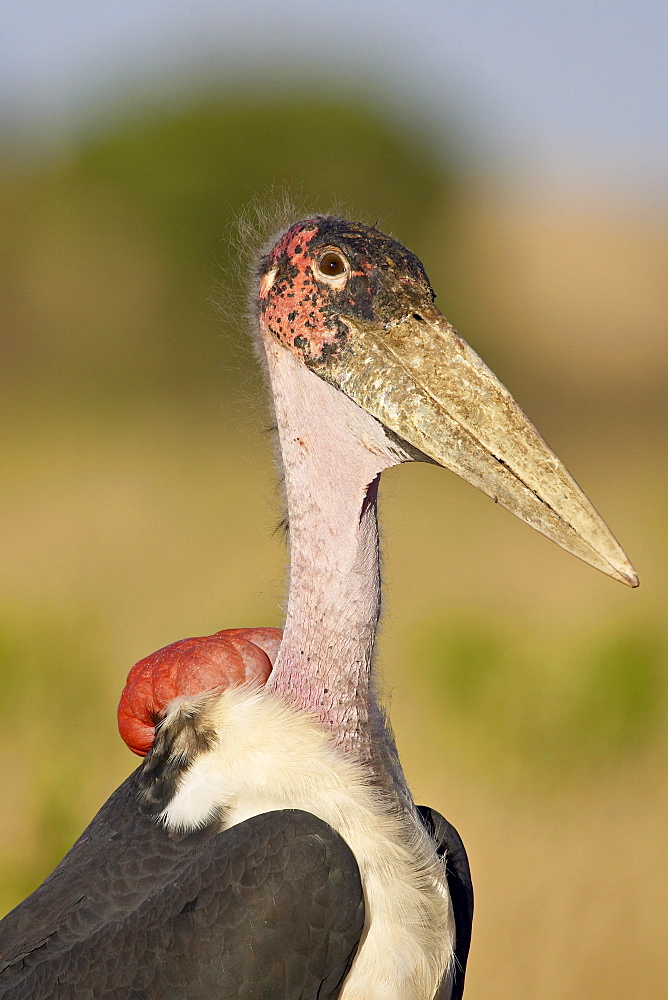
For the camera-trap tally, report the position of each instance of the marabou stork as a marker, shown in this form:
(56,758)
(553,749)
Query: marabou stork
(268,846)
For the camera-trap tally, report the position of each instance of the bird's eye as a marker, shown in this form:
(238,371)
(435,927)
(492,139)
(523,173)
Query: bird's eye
(333,267)
(332,264)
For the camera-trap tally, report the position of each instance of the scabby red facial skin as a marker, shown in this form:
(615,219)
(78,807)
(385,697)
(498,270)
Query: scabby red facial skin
(307,315)
(190,667)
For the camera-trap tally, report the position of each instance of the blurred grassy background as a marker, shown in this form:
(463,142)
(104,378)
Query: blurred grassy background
(138,506)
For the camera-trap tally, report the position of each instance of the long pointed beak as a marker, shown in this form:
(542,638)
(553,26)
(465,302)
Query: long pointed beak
(426,385)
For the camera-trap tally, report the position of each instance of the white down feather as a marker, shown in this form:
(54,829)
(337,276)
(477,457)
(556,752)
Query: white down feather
(270,755)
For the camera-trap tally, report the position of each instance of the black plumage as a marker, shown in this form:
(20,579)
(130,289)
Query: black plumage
(450,846)
(270,908)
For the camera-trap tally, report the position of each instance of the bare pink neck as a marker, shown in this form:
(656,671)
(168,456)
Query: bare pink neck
(324,663)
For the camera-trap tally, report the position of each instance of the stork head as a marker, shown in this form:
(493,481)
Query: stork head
(357,309)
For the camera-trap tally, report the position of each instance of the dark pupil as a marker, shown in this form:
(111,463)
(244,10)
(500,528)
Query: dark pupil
(331,264)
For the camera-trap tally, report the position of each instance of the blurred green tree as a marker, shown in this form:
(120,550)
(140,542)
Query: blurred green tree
(114,253)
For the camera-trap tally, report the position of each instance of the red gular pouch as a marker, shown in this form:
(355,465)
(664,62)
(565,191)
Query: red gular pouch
(228,658)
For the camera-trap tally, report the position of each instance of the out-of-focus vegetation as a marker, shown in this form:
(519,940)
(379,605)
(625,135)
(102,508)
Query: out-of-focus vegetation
(114,253)
(138,506)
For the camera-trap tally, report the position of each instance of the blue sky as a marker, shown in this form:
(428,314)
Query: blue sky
(559,89)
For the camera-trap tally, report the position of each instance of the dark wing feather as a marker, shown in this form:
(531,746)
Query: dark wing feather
(271,908)
(450,846)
